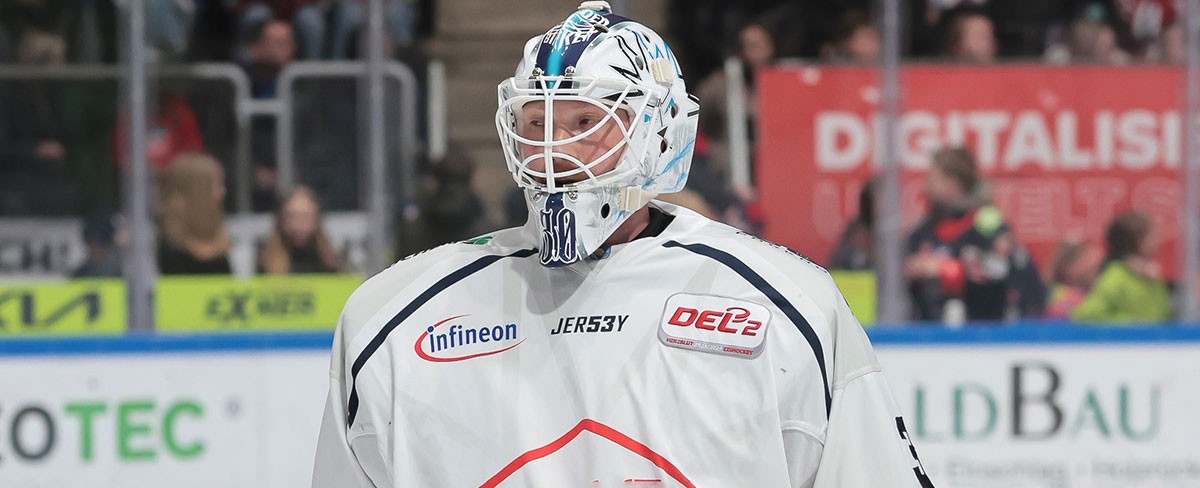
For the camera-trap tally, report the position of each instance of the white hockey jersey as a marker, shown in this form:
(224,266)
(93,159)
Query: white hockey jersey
(699,357)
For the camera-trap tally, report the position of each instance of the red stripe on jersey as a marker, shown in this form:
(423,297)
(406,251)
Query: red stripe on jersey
(600,430)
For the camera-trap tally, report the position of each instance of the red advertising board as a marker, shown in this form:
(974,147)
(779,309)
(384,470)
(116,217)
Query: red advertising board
(1064,147)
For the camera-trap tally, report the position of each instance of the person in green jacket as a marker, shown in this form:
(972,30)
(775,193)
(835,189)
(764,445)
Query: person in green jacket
(1130,288)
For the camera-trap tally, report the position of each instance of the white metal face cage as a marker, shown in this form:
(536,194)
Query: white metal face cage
(608,95)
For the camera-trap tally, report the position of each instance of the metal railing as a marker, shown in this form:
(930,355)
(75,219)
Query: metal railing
(892,298)
(243,105)
(134,99)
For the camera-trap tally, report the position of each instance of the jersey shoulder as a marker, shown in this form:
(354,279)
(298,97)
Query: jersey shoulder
(793,275)
(423,269)
(785,268)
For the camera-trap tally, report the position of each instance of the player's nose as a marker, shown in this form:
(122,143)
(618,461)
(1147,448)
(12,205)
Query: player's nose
(561,168)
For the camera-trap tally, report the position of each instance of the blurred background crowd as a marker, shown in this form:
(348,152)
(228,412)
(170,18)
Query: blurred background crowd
(63,139)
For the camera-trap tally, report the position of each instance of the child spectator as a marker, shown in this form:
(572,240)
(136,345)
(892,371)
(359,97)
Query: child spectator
(298,243)
(962,249)
(192,236)
(1130,287)
(1071,274)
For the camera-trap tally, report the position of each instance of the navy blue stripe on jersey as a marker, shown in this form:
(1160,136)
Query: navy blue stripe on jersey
(422,299)
(772,294)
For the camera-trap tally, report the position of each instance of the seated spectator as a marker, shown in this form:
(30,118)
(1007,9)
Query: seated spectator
(756,49)
(272,47)
(298,243)
(962,249)
(1072,271)
(192,237)
(970,38)
(168,24)
(712,185)
(33,155)
(1169,48)
(856,247)
(306,18)
(1091,41)
(450,209)
(1130,287)
(349,17)
(857,40)
(104,249)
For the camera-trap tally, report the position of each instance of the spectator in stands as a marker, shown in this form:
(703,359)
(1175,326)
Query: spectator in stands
(32,152)
(305,17)
(168,25)
(970,38)
(104,247)
(857,40)
(273,47)
(1091,41)
(711,184)
(174,131)
(963,250)
(1170,47)
(49,17)
(450,209)
(349,18)
(756,49)
(1130,287)
(856,247)
(1071,273)
(298,243)
(87,29)
(192,236)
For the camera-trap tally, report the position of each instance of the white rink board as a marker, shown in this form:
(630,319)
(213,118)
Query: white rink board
(1128,413)
(237,419)
(254,406)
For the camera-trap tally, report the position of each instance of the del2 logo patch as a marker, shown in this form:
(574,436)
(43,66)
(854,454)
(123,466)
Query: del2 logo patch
(714,324)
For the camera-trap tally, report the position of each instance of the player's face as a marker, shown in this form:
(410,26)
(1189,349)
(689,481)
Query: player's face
(941,188)
(299,219)
(570,119)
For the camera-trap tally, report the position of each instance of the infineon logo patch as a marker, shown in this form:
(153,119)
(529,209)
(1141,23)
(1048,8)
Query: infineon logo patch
(718,325)
(453,339)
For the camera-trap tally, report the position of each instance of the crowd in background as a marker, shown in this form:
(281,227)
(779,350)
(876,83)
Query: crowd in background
(62,145)
(69,137)
(962,260)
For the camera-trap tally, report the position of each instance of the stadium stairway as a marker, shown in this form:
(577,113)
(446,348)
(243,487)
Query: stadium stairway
(480,43)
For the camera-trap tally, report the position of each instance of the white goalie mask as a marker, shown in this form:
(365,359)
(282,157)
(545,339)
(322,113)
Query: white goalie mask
(623,131)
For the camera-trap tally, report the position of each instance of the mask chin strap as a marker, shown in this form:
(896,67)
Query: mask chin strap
(633,198)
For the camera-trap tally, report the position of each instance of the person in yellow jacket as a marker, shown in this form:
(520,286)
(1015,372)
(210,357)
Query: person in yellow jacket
(1130,288)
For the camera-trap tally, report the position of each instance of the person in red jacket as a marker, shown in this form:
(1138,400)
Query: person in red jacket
(173,132)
